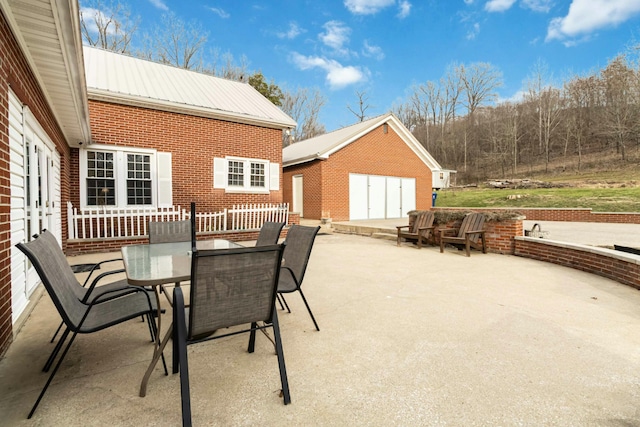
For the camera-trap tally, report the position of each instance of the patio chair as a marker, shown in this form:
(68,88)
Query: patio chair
(169,231)
(229,287)
(79,317)
(269,233)
(421,229)
(469,235)
(92,293)
(299,243)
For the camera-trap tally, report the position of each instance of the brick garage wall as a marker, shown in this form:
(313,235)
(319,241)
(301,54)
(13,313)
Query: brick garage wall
(15,74)
(376,153)
(193,142)
(312,187)
(572,215)
(92,246)
(618,266)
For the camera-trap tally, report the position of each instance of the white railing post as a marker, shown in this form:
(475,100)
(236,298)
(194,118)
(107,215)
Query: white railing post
(71,232)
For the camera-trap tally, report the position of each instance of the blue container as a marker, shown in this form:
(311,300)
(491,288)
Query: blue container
(434,196)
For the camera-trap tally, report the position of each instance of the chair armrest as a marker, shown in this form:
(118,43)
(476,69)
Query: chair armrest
(426,228)
(97,266)
(399,227)
(475,232)
(95,282)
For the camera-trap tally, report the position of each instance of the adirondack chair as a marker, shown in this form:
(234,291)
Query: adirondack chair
(469,234)
(420,230)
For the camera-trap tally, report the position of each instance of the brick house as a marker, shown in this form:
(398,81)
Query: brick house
(172,136)
(373,169)
(127,133)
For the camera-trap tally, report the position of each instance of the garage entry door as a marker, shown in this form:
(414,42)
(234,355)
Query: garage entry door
(380,197)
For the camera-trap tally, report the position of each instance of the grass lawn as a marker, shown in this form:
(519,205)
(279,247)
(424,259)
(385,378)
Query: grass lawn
(619,199)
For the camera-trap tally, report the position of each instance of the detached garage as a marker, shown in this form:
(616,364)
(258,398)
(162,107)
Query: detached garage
(374,169)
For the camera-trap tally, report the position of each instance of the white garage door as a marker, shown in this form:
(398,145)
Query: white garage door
(380,197)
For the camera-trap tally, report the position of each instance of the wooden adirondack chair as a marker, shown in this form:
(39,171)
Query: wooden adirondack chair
(420,230)
(469,234)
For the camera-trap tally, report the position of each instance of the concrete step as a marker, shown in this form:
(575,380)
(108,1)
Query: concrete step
(385,236)
(360,229)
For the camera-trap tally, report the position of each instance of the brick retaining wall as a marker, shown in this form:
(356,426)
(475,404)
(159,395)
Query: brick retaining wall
(568,214)
(615,265)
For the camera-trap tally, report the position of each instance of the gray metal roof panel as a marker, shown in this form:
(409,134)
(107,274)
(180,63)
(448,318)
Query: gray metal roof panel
(146,80)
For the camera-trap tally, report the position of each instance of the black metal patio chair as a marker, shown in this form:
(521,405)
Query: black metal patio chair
(228,287)
(269,233)
(299,243)
(79,317)
(172,232)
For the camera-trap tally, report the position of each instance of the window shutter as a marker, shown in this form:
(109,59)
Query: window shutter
(165,179)
(219,172)
(274,176)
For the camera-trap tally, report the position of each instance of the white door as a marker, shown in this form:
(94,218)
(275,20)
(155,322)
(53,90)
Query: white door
(380,197)
(377,197)
(394,198)
(298,195)
(408,196)
(35,196)
(358,196)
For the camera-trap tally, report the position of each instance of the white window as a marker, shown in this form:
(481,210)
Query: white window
(124,177)
(240,175)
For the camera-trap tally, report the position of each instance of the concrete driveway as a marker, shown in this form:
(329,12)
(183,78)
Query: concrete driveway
(408,337)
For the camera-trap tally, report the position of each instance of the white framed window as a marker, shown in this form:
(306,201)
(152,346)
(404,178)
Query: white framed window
(119,177)
(243,175)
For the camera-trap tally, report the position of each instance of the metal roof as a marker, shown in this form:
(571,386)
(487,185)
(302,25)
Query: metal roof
(321,147)
(48,32)
(127,80)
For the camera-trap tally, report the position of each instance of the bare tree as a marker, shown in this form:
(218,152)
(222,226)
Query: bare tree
(363,106)
(304,107)
(176,43)
(107,24)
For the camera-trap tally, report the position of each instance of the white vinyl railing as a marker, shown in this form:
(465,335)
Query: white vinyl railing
(251,217)
(102,222)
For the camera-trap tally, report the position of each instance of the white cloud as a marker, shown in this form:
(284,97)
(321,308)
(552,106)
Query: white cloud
(336,35)
(159,4)
(372,51)
(91,15)
(367,7)
(293,31)
(404,9)
(498,5)
(587,16)
(338,75)
(538,5)
(221,13)
(473,32)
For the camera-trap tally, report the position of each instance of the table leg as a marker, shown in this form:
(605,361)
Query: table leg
(157,353)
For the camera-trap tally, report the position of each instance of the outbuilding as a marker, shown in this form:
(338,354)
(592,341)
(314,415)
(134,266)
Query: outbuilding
(374,169)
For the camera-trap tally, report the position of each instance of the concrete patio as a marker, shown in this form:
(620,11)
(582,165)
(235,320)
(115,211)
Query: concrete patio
(408,337)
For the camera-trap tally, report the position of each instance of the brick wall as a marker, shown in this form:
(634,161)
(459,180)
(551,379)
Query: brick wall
(569,214)
(193,142)
(16,75)
(621,267)
(326,192)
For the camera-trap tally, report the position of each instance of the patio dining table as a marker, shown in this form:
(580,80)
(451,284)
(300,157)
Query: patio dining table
(158,264)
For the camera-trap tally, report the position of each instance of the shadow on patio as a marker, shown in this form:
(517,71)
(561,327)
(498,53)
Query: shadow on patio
(408,337)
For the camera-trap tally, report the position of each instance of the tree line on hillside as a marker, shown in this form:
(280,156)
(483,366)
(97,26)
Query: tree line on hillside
(108,24)
(462,124)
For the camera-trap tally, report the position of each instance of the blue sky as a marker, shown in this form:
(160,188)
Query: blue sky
(383,47)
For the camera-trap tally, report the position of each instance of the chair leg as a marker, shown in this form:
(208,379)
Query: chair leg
(55,351)
(252,338)
(181,355)
(467,245)
(279,301)
(53,373)
(285,302)
(308,309)
(283,370)
(53,338)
